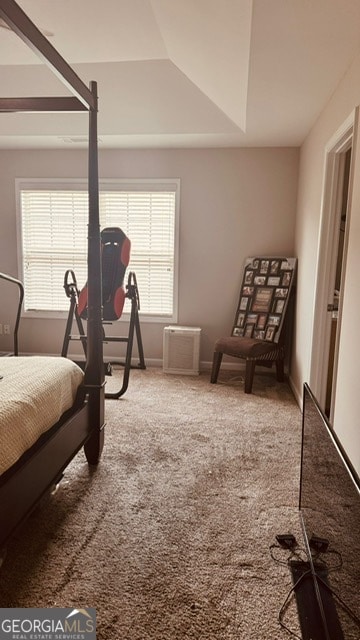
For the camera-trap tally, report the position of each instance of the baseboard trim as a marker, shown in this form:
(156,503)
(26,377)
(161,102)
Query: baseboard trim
(205,366)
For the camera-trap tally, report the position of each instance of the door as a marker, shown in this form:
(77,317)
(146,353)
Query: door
(331,265)
(336,288)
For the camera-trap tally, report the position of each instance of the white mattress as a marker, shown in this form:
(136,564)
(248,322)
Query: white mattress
(34,393)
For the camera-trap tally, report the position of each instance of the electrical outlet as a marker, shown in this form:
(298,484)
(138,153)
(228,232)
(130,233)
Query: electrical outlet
(6,329)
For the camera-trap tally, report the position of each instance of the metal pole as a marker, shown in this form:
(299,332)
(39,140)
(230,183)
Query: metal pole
(94,368)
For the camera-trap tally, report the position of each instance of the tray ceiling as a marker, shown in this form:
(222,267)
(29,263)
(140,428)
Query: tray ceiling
(183,73)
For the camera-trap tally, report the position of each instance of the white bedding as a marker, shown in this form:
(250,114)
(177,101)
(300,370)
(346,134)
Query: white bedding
(34,393)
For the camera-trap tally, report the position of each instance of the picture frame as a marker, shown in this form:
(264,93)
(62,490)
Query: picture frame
(286,279)
(279,306)
(240,319)
(248,277)
(252,318)
(249,330)
(262,299)
(262,319)
(285,265)
(270,333)
(264,266)
(274,266)
(266,284)
(274,320)
(243,303)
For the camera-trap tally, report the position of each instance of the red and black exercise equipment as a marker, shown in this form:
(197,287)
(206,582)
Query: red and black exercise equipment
(115,257)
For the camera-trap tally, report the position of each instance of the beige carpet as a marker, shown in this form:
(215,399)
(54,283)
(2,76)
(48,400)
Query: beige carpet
(169,537)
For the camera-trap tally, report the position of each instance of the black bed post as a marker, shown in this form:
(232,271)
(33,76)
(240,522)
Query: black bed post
(94,370)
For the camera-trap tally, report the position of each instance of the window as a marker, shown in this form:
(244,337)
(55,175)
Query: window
(53,220)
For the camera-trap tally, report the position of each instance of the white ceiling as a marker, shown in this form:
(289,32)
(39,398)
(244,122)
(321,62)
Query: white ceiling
(183,73)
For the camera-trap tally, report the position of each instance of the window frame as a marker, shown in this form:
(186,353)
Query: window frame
(105,184)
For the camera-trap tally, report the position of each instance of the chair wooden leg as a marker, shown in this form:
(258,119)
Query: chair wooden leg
(216,366)
(280,376)
(249,375)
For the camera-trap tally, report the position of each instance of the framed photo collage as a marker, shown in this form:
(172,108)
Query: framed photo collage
(264,296)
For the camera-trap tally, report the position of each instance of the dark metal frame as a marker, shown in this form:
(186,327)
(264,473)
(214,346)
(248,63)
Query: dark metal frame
(132,293)
(24,485)
(4,276)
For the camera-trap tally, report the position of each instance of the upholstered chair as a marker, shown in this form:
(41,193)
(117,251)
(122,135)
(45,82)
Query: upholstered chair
(259,331)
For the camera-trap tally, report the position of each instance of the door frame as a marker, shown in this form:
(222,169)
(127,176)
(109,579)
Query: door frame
(335,151)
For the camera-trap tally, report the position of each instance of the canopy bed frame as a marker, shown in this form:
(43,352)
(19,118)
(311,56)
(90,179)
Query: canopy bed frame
(31,477)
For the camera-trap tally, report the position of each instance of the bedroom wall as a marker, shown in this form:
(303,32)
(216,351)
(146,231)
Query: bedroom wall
(311,178)
(234,203)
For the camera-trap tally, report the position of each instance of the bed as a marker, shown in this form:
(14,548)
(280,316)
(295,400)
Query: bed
(35,463)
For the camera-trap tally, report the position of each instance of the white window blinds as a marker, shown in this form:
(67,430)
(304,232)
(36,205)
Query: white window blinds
(54,239)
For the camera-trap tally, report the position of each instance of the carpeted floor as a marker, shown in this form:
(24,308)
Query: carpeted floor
(168,538)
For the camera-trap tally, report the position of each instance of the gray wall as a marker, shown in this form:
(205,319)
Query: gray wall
(308,231)
(234,203)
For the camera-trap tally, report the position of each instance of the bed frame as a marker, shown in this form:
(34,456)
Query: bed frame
(23,486)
